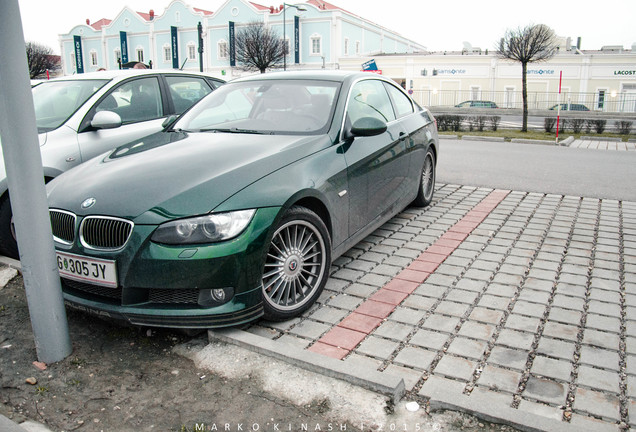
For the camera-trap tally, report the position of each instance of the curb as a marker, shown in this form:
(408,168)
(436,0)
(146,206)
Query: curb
(482,138)
(367,378)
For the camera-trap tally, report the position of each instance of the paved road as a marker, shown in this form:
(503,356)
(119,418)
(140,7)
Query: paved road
(538,168)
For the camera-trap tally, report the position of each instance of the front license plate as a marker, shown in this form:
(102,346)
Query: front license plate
(90,270)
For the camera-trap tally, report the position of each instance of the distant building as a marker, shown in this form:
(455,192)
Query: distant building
(318,36)
(603,80)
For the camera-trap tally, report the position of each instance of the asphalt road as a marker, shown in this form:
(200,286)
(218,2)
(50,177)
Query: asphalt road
(539,168)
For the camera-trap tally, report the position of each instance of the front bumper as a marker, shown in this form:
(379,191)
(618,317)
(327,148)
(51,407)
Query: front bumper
(170,286)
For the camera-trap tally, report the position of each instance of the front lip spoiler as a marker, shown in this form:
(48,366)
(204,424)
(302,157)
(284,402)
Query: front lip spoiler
(176,321)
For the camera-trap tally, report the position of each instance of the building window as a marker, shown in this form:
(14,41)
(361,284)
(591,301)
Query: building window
(346,46)
(167,53)
(601,100)
(286,46)
(223,52)
(140,55)
(475,92)
(93,58)
(192,51)
(357,47)
(117,56)
(73,64)
(316,46)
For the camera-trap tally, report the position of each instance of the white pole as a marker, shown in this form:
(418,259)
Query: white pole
(25,177)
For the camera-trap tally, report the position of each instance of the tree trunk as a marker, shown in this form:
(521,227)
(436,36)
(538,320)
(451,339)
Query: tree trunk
(524,95)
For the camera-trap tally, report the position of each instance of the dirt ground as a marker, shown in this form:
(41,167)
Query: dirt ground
(133,379)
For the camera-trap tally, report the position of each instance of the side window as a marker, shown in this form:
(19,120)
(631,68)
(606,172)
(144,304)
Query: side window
(186,91)
(401,102)
(134,101)
(368,98)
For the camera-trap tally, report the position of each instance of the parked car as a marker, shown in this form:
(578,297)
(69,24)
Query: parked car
(477,104)
(570,107)
(237,209)
(81,116)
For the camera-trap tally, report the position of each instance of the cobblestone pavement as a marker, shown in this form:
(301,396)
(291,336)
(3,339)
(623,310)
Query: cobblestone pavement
(603,145)
(502,303)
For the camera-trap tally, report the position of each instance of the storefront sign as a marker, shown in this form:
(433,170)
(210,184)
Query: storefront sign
(296,39)
(79,60)
(175,47)
(124,47)
(232,47)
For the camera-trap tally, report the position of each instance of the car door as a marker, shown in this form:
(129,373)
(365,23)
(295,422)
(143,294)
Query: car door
(377,165)
(139,103)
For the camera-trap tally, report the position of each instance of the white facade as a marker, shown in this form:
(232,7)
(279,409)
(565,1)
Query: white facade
(601,80)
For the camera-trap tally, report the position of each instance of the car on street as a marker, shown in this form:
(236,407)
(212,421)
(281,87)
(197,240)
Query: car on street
(237,208)
(81,116)
(477,104)
(570,107)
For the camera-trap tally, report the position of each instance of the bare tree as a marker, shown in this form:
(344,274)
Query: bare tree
(258,47)
(533,43)
(40,59)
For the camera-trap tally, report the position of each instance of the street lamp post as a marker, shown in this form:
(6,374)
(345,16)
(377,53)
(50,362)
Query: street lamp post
(298,8)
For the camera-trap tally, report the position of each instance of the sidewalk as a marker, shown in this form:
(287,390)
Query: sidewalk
(598,144)
(517,307)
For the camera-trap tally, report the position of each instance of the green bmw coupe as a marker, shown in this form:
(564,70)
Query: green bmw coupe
(236,209)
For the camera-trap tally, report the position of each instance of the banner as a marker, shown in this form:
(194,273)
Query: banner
(175,47)
(296,39)
(124,47)
(79,60)
(370,65)
(232,47)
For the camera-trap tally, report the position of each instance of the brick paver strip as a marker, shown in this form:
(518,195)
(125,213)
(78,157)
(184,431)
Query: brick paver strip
(357,326)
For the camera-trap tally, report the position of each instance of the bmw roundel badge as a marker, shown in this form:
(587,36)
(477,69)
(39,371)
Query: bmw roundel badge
(88,202)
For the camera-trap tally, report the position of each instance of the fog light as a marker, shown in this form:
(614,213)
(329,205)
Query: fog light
(215,296)
(218,295)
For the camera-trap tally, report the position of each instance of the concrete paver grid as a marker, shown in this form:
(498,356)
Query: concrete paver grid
(521,301)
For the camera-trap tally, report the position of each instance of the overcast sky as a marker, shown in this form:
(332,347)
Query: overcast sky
(438,25)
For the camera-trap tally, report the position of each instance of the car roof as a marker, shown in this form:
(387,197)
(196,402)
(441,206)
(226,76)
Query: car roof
(127,73)
(330,75)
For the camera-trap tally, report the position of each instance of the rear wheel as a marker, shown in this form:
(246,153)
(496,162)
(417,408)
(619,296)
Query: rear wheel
(8,244)
(427,181)
(297,264)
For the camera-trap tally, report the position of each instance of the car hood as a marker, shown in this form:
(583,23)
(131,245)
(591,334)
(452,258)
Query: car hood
(169,175)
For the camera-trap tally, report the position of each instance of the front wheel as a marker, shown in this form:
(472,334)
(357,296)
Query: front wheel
(297,264)
(427,181)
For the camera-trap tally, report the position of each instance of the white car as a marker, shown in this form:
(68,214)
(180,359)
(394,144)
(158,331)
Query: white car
(81,116)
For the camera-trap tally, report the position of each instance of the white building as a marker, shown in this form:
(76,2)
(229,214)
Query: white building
(603,80)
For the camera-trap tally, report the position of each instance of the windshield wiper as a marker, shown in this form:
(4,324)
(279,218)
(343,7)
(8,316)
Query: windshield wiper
(237,130)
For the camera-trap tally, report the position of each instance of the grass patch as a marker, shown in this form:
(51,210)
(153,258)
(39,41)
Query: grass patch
(509,134)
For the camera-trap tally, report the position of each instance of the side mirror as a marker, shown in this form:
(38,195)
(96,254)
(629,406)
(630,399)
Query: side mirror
(368,126)
(169,120)
(106,120)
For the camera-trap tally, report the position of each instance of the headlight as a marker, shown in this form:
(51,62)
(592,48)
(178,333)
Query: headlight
(203,229)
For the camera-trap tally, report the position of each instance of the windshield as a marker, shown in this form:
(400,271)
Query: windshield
(268,107)
(56,101)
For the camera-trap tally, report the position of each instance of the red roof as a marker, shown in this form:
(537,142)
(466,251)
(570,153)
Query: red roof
(205,12)
(323,5)
(101,23)
(259,7)
(144,15)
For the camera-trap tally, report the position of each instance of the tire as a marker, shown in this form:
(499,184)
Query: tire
(427,181)
(296,265)
(8,244)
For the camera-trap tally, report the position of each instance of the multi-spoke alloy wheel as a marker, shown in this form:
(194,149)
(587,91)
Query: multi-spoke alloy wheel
(297,264)
(427,182)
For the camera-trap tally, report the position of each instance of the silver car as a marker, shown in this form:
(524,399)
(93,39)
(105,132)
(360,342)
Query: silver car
(81,116)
